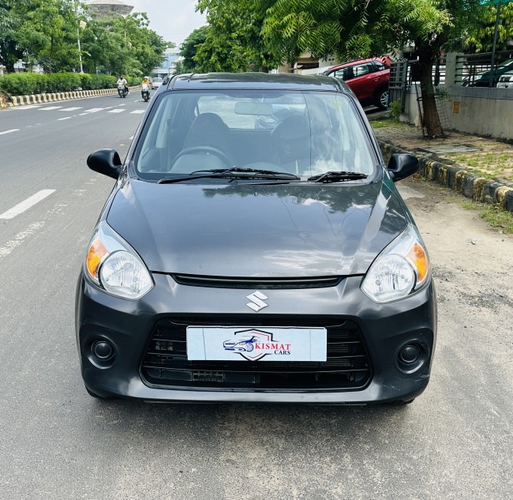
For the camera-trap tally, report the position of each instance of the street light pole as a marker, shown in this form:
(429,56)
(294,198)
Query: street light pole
(494,47)
(79,50)
(80,25)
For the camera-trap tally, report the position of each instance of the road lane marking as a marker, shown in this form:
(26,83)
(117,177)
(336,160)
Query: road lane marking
(65,118)
(137,112)
(94,110)
(20,238)
(10,131)
(116,111)
(50,108)
(30,106)
(26,204)
(74,108)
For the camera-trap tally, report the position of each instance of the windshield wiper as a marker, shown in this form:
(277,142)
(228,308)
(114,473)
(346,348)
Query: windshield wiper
(338,176)
(235,172)
(252,172)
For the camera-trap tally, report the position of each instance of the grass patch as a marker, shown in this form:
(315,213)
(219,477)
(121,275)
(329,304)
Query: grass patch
(494,214)
(490,165)
(497,217)
(388,124)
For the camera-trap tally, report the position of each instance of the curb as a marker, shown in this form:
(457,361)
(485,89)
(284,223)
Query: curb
(22,100)
(458,179)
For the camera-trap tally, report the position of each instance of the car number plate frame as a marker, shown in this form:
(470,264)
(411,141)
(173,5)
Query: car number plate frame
(256,344)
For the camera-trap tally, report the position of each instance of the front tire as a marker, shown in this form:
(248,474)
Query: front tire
(382,98)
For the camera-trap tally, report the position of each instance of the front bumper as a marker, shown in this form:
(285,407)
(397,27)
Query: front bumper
(128,326)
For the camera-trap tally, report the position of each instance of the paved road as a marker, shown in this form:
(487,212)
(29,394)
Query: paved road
(454,442)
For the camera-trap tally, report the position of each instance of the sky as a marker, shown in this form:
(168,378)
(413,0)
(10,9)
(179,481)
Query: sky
(174,20)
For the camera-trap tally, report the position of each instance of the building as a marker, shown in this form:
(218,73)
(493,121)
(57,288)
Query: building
(168,67)
(110,7)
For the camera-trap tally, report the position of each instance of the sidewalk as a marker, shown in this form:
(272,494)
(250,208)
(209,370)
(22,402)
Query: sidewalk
(479,168)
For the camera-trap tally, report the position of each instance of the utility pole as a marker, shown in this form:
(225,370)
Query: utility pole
(494,47)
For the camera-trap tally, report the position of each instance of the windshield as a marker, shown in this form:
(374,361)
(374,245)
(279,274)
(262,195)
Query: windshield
(301,133)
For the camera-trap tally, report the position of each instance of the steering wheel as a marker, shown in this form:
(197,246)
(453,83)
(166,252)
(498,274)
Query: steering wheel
(206,150)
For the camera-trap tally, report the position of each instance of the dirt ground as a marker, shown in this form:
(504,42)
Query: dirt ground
(471,260)
(490,158)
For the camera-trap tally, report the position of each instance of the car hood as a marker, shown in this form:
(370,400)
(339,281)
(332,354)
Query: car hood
(266,230)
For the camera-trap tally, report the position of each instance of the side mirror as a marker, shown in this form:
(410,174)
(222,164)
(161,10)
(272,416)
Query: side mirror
(401,166)
(106,162)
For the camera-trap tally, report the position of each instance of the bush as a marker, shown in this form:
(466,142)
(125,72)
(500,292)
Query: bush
(31,83)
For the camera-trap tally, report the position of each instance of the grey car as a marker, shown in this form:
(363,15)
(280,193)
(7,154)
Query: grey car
(292,237)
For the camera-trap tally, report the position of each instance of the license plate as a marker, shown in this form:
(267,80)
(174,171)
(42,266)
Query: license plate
(256,344)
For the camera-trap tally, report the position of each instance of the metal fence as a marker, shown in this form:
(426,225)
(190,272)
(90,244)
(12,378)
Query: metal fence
(475,70)
(404,73)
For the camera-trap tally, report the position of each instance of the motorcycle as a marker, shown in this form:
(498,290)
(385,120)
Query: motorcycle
(122,90)
(145,92)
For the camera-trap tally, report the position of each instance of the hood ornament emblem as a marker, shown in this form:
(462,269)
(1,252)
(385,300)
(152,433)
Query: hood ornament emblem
(257,301)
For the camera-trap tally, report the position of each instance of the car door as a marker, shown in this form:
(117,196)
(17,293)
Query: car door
(360,77)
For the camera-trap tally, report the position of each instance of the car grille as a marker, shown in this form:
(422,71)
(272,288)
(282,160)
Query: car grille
(165,361)
(257,283)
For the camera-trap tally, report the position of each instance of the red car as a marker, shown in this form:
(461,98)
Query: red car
(368,79)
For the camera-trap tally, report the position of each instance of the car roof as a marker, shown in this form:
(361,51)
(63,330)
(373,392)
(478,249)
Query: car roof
(357,61)
(257,81)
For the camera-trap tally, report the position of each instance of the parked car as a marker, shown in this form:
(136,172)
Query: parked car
(483,79)
(293,239)
(156,83)
(367,78)
(506,81)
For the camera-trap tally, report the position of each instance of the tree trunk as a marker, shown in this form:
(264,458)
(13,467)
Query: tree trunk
(431,118)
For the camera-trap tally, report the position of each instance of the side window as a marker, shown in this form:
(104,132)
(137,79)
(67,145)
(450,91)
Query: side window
(379,66)
(362,69)
(344,73)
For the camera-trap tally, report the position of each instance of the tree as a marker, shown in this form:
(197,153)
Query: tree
(356,28)
(234,41)
(9,52)
(480,37)
(46,32)
(189,48)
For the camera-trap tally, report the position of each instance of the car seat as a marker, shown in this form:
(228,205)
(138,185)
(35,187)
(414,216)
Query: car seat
(207,135)
(290,144)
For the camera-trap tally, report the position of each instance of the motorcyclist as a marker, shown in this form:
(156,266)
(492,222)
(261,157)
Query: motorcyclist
(145,88)
(122,81)
(146,81)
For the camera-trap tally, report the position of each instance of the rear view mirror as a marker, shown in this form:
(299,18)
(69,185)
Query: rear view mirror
(401,166)
(106,162)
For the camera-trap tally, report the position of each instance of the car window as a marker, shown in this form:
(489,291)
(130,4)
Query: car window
(304,133)
(345,74)
(363,69)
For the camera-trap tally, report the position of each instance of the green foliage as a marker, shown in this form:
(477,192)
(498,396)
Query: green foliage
(47,32)
(396,108)
(479,36)
(31,83)
(233,40)
(190,47)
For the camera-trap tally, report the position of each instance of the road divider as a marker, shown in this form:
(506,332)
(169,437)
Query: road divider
(57,96)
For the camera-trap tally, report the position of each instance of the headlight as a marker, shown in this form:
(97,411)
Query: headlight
(112,264)
(399,270)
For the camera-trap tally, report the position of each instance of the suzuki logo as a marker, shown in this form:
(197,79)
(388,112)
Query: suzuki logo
(257,301)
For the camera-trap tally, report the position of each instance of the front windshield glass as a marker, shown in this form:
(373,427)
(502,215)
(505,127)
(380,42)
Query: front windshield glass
(302,133)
